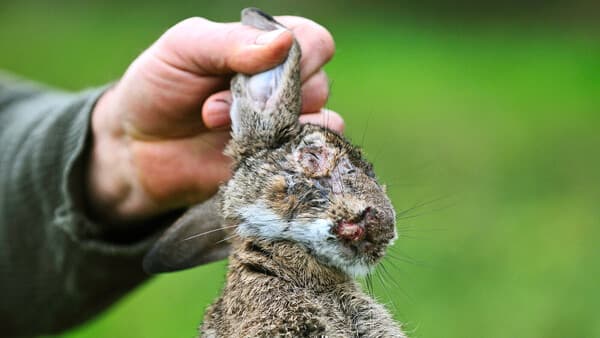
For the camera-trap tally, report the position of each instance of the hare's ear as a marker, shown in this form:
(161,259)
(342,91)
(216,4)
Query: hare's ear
(196,238)
(265,108)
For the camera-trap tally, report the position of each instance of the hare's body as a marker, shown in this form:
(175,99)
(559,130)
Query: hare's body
(279,289)
(307,212)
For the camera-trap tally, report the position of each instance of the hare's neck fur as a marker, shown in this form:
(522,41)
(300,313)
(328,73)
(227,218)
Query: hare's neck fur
(288,261)
(278,289)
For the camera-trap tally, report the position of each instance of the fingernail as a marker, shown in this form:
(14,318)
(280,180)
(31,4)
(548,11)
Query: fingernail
(269,37)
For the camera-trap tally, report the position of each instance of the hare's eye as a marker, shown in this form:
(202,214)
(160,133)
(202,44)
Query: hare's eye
(346,167)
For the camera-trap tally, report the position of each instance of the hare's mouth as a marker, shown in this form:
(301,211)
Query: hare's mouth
(365,247)
(356,241)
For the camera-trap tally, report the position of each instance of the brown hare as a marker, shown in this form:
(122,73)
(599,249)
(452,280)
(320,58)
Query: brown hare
(304,213)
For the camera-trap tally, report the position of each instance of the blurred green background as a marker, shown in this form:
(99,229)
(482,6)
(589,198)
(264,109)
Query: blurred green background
(487,118)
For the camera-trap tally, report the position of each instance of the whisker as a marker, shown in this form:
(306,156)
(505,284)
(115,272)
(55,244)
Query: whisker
(227,238)
(421,204)
(207,232)
(327,104)
(396,267)
(412,227)
(376,156)
(388,274)
(297,218)
(402,291)
(384,287)
(401,184)
(422,213)
(405,236)
(369,284)
(409,230)
(402,257)
(364,133)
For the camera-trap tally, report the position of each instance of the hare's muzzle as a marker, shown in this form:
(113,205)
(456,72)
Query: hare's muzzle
(350,231)
(354,229)
(367,229)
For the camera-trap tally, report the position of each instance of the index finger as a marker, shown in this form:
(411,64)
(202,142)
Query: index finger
(316,43)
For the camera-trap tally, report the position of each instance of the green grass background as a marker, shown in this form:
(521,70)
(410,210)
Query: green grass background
(493,126)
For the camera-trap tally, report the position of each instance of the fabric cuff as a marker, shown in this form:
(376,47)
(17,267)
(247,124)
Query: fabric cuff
(71,215)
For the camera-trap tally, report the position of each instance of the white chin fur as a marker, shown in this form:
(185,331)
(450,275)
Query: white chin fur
(260,221)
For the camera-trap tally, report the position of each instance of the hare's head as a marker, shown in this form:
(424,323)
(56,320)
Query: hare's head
(301,183)
(315,189)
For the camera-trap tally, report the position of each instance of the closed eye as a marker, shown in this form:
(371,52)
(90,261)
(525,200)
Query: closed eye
(346,166)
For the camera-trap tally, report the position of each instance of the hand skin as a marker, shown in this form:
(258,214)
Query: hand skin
(159,133)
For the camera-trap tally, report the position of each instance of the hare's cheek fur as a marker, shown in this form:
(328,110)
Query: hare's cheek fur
(260,221)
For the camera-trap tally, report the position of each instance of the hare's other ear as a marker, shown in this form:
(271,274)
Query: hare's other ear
(266,106)
(196,238)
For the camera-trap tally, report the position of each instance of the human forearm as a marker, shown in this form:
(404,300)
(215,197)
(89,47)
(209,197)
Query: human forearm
(52,256)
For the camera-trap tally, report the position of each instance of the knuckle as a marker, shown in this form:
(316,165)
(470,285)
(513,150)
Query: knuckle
(188,27)
(193,22)
(326,43)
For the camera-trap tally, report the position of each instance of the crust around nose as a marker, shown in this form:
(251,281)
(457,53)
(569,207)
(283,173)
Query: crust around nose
(350,231)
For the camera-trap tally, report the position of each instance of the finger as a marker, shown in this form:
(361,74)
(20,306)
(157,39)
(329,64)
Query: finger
(215,111)
(199,163)
(208,48)
(315,92)
(326,118)
(315,41)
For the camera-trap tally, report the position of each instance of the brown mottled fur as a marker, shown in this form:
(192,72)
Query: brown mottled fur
(280,289)
(308,215)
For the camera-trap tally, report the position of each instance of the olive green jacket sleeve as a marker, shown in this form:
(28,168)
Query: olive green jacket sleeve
(57,267)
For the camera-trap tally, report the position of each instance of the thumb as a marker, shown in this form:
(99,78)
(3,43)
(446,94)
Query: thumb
(209,48)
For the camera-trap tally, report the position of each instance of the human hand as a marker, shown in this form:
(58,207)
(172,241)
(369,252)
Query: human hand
(159,133)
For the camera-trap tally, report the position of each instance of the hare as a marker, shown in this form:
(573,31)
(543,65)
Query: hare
(306,214)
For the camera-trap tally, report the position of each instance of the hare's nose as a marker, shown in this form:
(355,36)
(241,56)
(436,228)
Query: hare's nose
(354,229)
(350,231)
